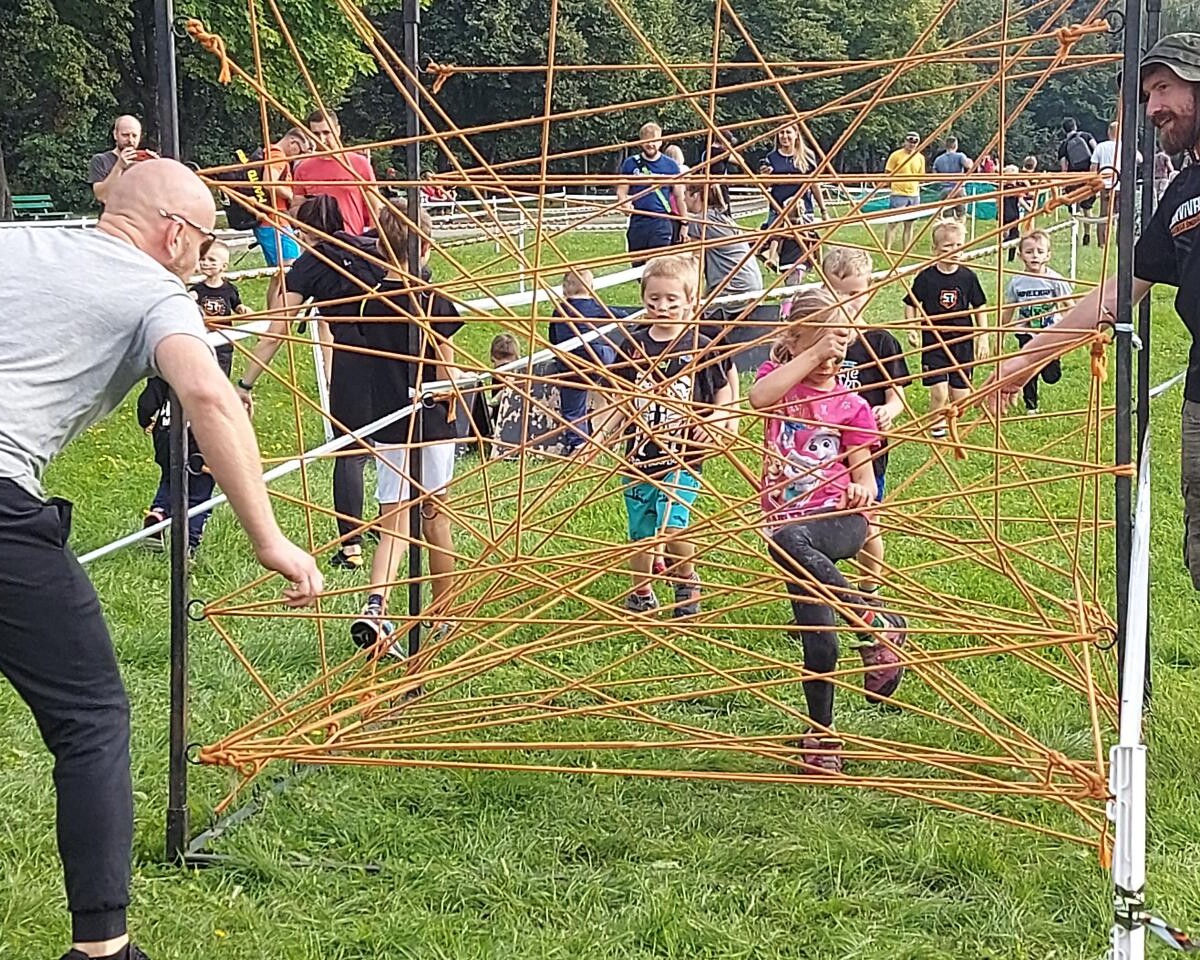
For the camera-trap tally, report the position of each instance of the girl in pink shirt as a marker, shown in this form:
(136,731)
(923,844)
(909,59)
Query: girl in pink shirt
(817,484)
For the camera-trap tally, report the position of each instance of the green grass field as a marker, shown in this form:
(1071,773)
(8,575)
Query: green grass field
(486,864)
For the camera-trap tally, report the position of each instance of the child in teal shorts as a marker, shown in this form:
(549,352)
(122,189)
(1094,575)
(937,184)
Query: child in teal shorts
(674,403)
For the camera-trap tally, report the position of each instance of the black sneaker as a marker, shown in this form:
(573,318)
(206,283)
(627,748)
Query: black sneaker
(346,561)
(130,952)
(157,540)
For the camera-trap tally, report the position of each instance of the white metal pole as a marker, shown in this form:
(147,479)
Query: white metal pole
(521,248)
(1127,760)
(322,381)
(1074,247)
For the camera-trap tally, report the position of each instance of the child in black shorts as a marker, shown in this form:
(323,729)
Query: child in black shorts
(946,296)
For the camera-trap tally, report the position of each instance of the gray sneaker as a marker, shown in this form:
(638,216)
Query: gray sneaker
(641,603)
(687,598)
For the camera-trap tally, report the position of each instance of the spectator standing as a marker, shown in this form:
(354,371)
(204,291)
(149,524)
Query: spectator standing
(106,168)
(1075,156)
(1106,160)
(905,167)
(327,174)
(653,177)
(954,162)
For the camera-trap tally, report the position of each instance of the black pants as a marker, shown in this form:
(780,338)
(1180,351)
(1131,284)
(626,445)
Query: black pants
(348,495)
(1051,373)
(55,650)
(808,552)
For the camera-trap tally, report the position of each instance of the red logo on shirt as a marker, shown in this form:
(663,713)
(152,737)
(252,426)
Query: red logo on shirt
(948,298)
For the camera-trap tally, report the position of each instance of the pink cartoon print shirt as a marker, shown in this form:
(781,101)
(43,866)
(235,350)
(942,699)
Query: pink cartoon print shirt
(807,437)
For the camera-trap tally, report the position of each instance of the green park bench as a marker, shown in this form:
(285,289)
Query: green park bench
(36,206)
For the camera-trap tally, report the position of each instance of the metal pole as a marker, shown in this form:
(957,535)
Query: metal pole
(177,783)
(1153,26)
(412,161)
(1123,328)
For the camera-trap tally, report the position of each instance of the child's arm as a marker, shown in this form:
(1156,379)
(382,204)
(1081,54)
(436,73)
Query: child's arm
(890,409)
(242,309)
(861,490)
(914,313)
(769,390)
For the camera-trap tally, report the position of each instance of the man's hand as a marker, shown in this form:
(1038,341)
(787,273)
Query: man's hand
(285,558)
(855,497)
(247,400)
(1003,386)
(128,157)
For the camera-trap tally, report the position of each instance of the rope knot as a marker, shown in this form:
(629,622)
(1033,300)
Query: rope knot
(1099,359)
(440,73)
(213,43)
(1071,35)
(953,412)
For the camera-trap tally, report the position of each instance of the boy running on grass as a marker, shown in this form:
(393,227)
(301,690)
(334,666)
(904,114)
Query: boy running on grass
(947,297)
(391,382)
(874,368)
(680,401)
(1037,296)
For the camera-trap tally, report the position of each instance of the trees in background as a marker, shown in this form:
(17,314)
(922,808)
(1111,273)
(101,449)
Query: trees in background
(71,65)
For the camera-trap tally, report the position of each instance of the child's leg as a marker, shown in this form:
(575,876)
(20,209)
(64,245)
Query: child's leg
(200,488)
(871,559)
(572,402)
(808,552)
(673,514)
(640,500)
(437,470)
(348,498)
(939,393)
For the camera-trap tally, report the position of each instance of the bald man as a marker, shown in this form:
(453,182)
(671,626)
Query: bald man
(69,352)
(106,168)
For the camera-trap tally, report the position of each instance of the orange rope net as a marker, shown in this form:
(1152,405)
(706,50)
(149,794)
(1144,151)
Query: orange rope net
(997,547)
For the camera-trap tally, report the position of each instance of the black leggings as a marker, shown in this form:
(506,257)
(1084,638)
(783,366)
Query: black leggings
(348,495)
(808,551)
(55,650)
(1051,373)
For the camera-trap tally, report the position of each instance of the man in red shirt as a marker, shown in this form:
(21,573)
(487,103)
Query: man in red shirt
(318,175)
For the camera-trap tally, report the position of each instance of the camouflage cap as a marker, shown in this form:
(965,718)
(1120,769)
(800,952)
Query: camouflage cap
(1178,52)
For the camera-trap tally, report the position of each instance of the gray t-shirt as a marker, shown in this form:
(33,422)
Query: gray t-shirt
(101,166)
(81,314)
(1039,298)
(721,260)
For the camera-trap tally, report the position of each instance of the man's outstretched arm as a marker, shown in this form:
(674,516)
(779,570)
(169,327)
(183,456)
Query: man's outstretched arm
(230,450)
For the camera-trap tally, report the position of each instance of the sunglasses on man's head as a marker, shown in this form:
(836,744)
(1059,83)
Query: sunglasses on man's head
(207,234)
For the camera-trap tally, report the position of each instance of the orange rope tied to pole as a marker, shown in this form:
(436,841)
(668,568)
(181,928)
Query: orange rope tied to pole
(1069,36)
(440,73)
(1087,189)
(956,444)
(1099,360)
(213,43)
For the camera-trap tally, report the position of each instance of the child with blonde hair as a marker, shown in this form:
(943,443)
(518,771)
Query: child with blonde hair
(817,488)
(947,298)
(875,369)
(678,401)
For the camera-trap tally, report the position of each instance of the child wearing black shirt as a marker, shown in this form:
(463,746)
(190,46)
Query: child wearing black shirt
(946,297)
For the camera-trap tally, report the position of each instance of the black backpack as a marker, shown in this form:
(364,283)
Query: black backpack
(1079,151)
(247,183)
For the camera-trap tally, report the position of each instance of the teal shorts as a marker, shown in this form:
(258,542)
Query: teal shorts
(667,503)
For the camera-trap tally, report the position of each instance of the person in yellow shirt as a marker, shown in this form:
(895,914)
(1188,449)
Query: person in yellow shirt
(905,166)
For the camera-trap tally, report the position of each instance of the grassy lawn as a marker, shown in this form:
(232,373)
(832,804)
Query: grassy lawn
(481,864)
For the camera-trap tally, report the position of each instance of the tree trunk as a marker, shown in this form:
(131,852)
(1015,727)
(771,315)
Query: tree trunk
(6,211)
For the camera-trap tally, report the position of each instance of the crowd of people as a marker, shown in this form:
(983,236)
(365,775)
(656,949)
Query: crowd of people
(830,394)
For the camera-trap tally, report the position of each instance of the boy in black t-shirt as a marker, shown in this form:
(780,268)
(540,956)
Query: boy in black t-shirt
(219,300)
(388,381)
(947,297)
(680,402)
(875,369)
(218,297)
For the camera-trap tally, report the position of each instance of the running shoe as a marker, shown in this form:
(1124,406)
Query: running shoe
(130,952)
(687,598)
(346,561)
(821,755)
(641,603)
(155,541)
(884,667)
(372,632)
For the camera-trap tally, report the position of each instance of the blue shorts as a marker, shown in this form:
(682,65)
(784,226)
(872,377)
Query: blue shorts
(895,201)
(666,504)
(287,245)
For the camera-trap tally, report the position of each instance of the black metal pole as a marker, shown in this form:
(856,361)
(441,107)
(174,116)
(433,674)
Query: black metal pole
(412,164)
(1153,27)
(177,795)
(1126,198)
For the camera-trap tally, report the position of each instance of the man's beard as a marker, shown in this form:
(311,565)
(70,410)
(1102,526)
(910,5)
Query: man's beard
(1183,134)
